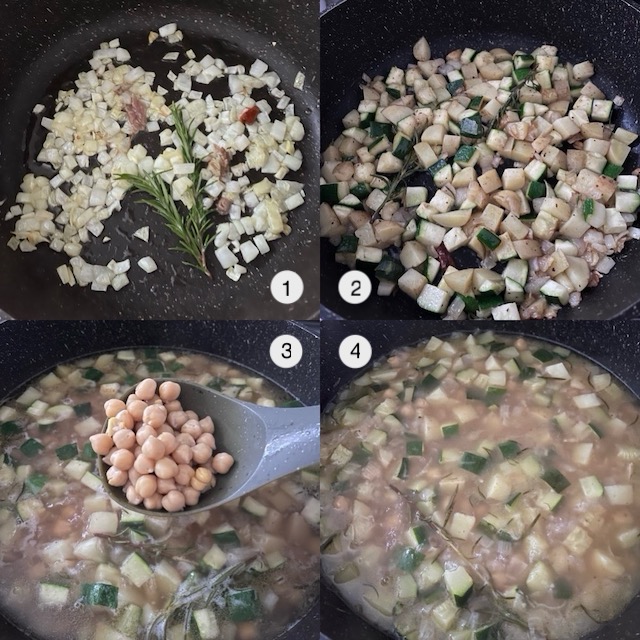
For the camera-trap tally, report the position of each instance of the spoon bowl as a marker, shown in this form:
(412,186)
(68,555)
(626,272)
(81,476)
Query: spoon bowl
(266,443)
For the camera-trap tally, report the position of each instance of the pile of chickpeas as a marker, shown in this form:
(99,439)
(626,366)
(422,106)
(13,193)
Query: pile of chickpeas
(161,455)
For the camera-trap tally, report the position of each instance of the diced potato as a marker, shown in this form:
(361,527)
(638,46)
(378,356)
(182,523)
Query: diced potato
(490,181)
(595,186)
(513,179)
(412,283)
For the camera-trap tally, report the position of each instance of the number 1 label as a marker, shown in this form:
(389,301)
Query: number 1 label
(287,287)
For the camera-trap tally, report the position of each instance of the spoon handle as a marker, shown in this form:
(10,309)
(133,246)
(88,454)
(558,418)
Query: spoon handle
(293,442)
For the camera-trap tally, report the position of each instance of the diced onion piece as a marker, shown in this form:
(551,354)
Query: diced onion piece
(148,264)
(249,251)
(142,234)
(298,83)
(167,29)
(226,257)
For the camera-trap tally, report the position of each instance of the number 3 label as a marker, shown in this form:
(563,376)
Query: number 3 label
(354,287)
(355,351)
(285,351)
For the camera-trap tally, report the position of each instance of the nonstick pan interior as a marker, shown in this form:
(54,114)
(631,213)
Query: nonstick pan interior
(360,36)
(44,46)
(34,347)
(613,345)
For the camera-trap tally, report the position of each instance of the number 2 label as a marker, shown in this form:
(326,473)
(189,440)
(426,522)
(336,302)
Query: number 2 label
(354,287)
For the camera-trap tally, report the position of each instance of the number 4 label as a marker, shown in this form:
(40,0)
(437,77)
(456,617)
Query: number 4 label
(355,351)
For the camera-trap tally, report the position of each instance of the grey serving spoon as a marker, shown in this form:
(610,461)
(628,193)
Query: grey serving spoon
(266,443)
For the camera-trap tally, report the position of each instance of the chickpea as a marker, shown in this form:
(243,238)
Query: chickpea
(208,439)
(197,485)
(174,501)
(206,424)
(154,415)
(117,477)
(133,476)
(136,409)
(203,475)
(175,405)
(168,440)
(185,473)
(153,448)
(147,486)
(144,432)
(193,428)
(247,631)
(177,418)
(164,486)
(191,496)
(182,454)
(169,391)
(166,428)
(137,451)
(113,407)
(132,495)
(154,502)
(185,438)
(192,415)
(201,453)
(146,389)
(125,419)
(101,443)
(166,468)
(122,459)
(143,464)
(222,462)
(124,439)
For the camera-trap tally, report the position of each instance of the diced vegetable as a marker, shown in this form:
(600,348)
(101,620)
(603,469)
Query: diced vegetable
(242,605)
(472,462)
(100,594)
(459,584)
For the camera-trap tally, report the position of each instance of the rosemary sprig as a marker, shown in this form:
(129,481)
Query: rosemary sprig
(505,614)
(195,590)
(410,166)
(514,97)
(192,229)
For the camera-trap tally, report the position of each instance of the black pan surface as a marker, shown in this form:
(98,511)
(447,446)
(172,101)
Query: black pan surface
(28,349)
(613,345)
(360,36)
(44,46)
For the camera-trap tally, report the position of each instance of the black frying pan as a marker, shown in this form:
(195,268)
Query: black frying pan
(365,36)
(615,346)
(34,347)
(44,45)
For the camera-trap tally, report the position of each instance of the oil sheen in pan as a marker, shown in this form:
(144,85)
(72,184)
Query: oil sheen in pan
(174,291)
(359,31)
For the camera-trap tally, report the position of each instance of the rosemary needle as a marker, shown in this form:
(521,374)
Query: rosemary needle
(409,167)
(192,229)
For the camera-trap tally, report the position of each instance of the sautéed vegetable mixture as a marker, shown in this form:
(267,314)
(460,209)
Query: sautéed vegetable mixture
(73,564)
(482,487)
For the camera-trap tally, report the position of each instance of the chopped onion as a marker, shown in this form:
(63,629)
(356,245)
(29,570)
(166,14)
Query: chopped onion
(147,264)
(167,30)
(142,234)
